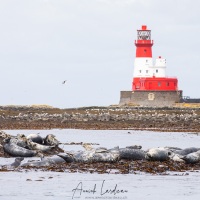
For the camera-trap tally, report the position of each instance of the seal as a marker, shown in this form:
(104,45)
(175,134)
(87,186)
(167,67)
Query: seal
(47,161)
(19,142)
(35,138)
(172,148)
(40,147)
(13,165)
(51,140)
(132,154)
(17,162)
(176,157)
(192,157)
(134,147)
(186,151)
(67,156)
(158,154)
(17,151)
(93,155)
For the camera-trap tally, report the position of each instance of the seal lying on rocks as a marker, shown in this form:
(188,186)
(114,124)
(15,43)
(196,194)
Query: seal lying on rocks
(132,154)
(40,147)
(99,155)
(35,138)
(134,147)
(47,161)
(172,148)
(192,157)
(51,140)
(15,164)
(176,157)
(158,154)
(186,151)
(19,142)
(14,150)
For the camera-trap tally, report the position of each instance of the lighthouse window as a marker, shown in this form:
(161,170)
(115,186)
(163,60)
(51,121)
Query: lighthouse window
(140,71)
(147,71)
(167,83)
(157,71)
(159,84)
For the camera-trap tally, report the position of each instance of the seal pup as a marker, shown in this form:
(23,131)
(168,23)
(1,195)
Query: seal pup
(36,138)
(192,157)
(51,140)
(17,151)
(40,147)
(158,154)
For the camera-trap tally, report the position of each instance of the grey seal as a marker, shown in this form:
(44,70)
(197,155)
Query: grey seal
(14,150)
(134,147)
(192,157)
(13,165)
(94,155)
(36,138)
(186,151)
(51,140)
(40,147)
(158,154)
(132,154)
(176,157)
(19,142)
(17,162)
(47,161)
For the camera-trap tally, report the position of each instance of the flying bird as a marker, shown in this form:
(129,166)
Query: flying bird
(64,82)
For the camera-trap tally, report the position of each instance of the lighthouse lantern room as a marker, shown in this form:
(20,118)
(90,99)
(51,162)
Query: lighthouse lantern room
(148,76)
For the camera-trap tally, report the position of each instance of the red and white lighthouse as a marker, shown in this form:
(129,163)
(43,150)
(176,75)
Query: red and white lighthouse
(147,75)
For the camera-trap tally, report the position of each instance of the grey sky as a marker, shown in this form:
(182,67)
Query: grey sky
(91,44)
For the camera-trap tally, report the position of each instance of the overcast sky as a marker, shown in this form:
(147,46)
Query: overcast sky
(90,43)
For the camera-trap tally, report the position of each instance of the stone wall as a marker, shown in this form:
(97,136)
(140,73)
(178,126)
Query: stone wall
(150,98)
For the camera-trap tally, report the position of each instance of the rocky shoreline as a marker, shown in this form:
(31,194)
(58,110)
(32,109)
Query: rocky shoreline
(123,167)
(138,118)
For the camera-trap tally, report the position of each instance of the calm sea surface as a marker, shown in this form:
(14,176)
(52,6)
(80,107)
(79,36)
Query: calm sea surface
(53,185)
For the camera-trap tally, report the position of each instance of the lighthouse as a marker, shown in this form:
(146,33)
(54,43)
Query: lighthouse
(150,85)
(148,76)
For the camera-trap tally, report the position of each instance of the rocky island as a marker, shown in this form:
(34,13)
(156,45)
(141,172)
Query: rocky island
(178,118)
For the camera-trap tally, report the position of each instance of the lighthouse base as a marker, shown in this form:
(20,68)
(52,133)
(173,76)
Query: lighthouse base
(150,98)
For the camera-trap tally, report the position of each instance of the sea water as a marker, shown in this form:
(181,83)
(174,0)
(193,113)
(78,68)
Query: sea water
(63,185)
